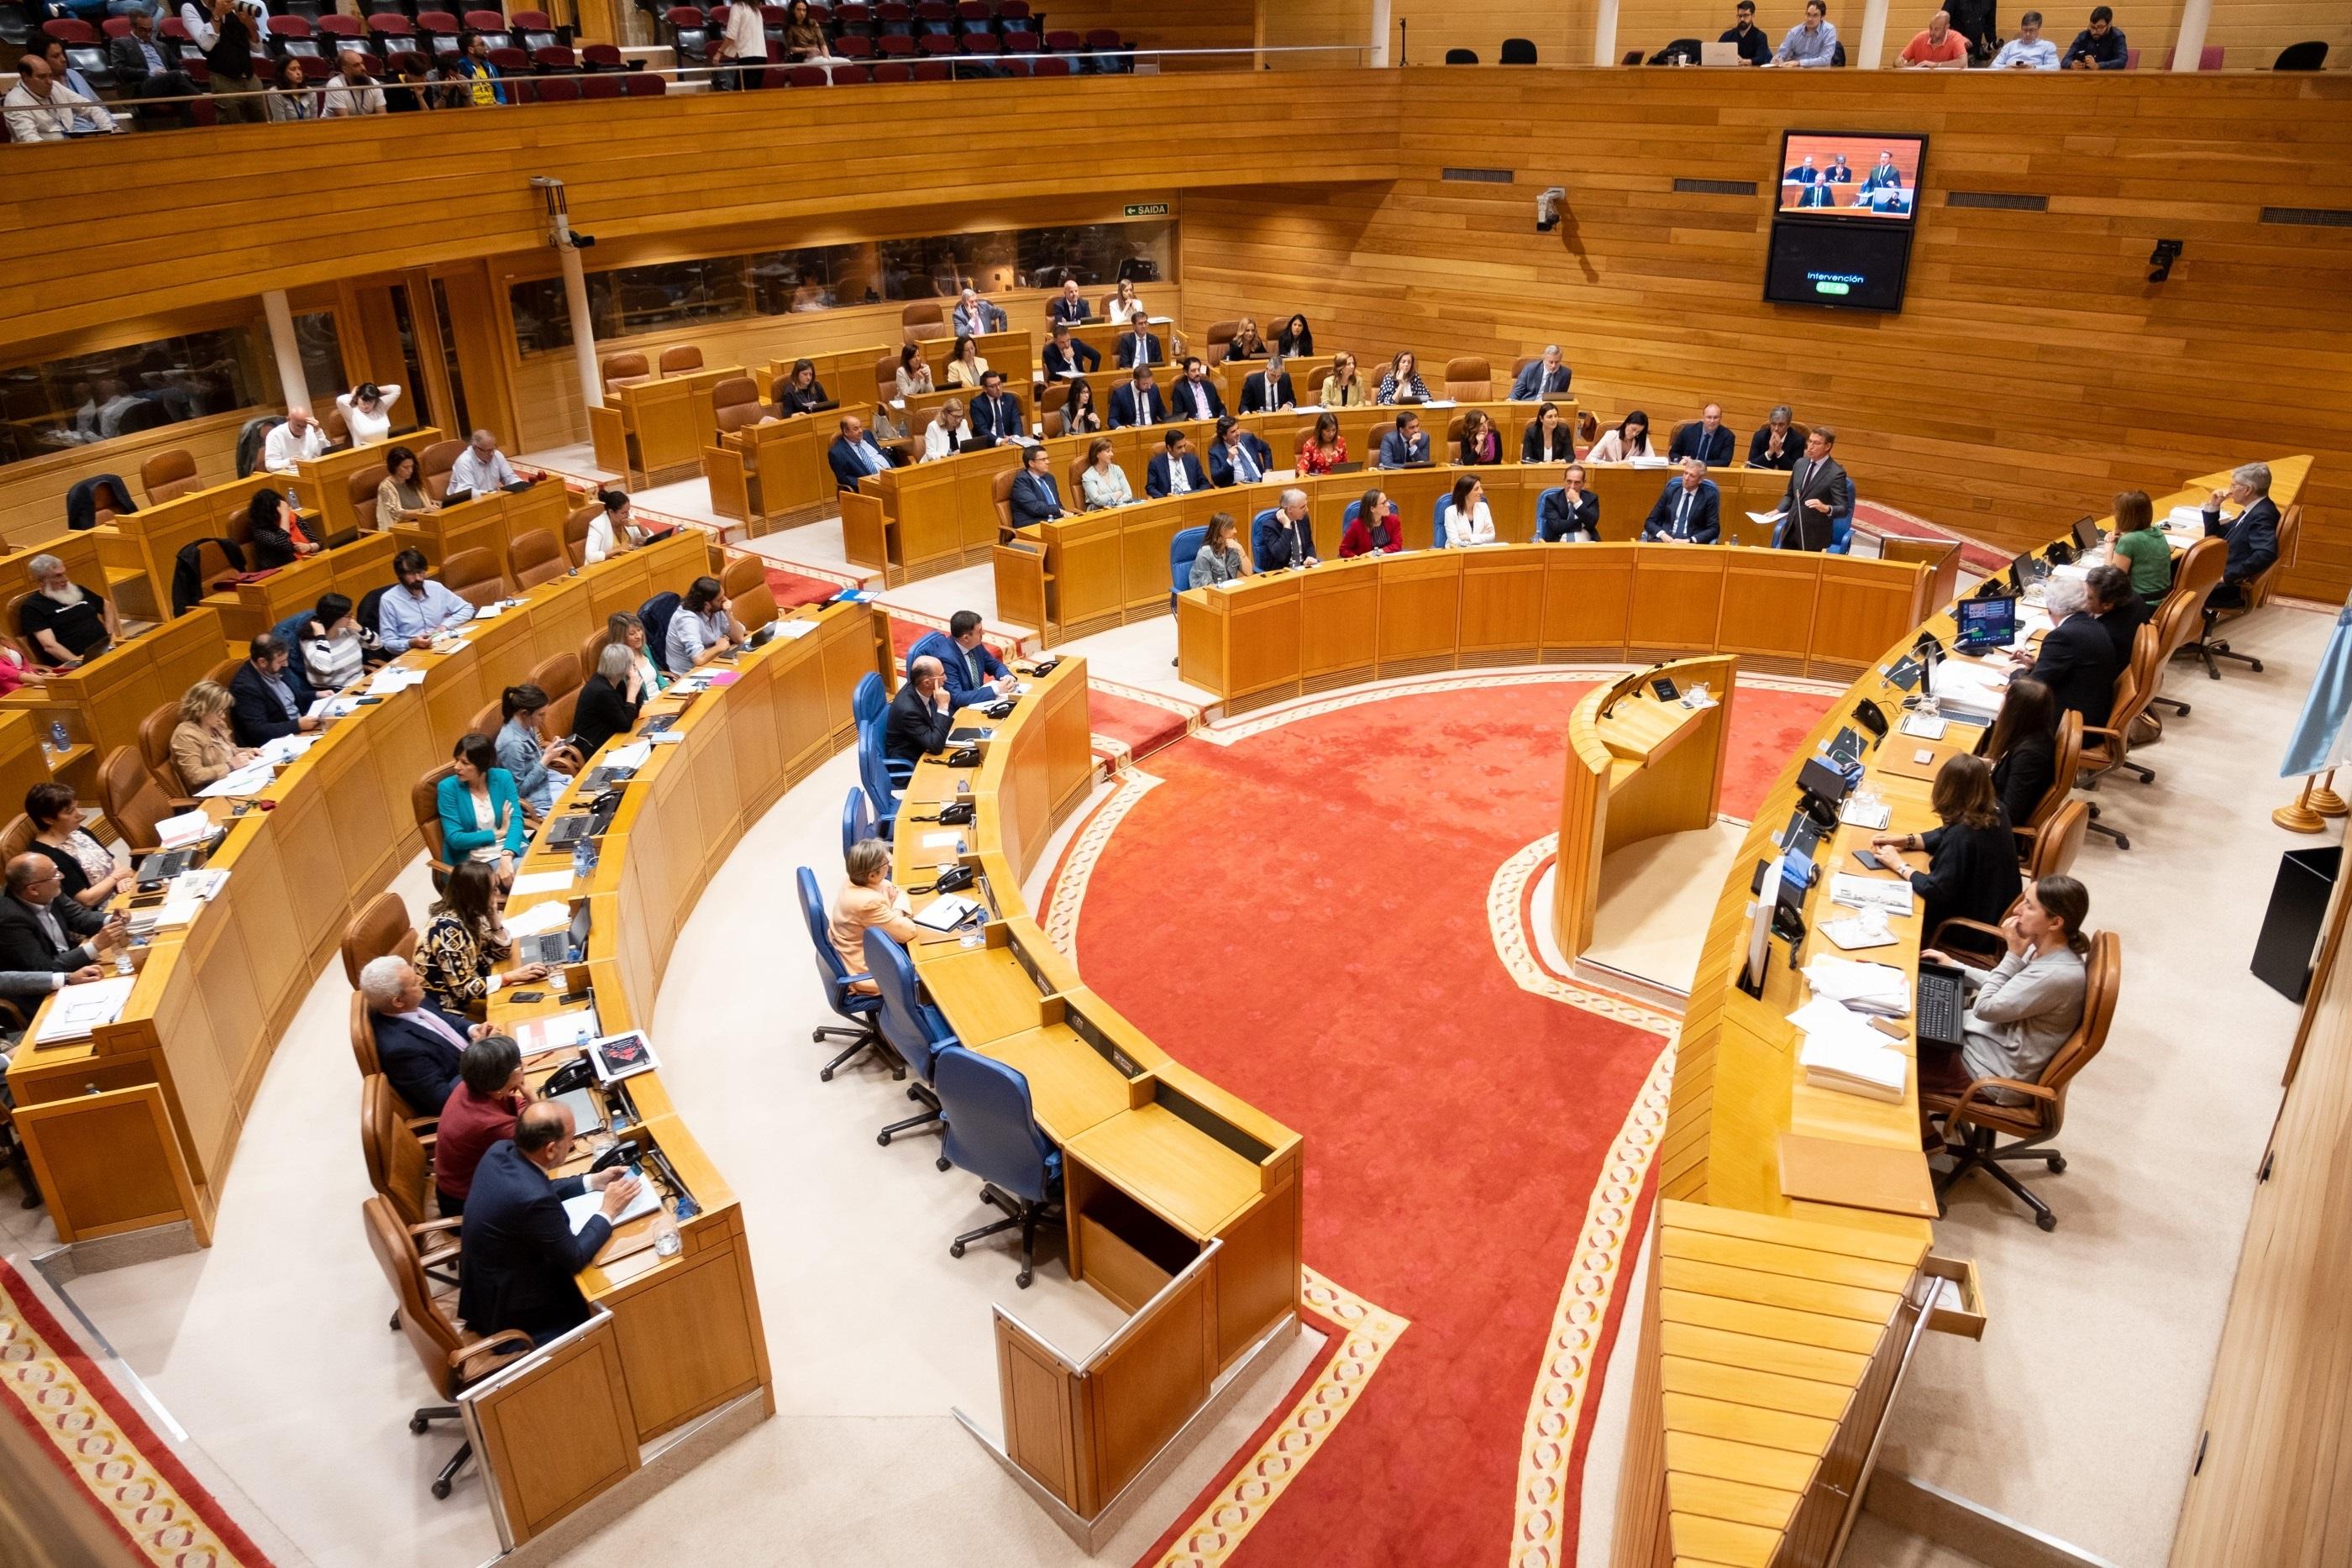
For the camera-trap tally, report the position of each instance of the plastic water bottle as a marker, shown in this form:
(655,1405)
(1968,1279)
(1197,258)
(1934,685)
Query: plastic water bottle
(582,861)
(58,734)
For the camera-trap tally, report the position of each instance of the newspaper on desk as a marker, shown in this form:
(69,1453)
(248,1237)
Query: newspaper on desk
(1889,896)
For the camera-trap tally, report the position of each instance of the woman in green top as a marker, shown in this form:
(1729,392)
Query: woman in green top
(2140,548)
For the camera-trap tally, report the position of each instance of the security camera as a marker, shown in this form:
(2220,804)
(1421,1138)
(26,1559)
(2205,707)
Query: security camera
(1548,209)
(580,241)
(2161,259)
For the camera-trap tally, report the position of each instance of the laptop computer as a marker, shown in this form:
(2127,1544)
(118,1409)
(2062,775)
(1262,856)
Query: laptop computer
(552,947)
(1982,623)
(165,864)
(1718,54)
(1935,1012)
(2027,569)
(1346,469)
(2088,534)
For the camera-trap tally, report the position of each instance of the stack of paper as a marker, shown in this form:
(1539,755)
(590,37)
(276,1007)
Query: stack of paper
(552,916)
(287,748)
(2185,517)
(1926,726)
(556,1031)
(1858,812)
(1857,933)
(945,913)
(250,780)
(579,1210)
(540,882)
(178,832)
(393,679)
(78,1010)
(1969,688)
(1852,1067)
(1860,986)
(191,891)
(633,755)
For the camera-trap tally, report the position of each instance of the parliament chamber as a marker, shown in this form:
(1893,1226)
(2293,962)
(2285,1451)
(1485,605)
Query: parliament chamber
(987,1025)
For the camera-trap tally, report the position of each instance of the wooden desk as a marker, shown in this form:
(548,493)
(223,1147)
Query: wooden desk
(325,486)
(490,522)
(104,702)
(249,609)
(773,474)
(654,431)
(1637,767)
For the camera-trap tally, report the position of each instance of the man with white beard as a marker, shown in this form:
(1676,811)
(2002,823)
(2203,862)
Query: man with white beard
(63,622)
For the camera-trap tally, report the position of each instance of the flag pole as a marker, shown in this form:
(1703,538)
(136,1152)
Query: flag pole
(2325,800)
(2298,817)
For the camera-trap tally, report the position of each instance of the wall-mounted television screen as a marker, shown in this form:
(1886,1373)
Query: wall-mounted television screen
(1851,174)
(1854,266)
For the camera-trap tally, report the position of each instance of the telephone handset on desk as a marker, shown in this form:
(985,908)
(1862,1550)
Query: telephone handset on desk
(571,1075)
(963,757)
(952,813)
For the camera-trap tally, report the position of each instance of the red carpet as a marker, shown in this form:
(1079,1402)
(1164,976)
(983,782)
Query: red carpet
(792,589)
(1327,956)
(1980,558)
(1141,727)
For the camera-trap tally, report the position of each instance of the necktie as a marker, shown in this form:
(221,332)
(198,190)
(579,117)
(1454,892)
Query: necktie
(1243,465)
(426,1018)
(1682,517)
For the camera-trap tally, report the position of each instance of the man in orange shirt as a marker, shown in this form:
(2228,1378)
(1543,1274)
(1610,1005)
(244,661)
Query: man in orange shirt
(1938,49)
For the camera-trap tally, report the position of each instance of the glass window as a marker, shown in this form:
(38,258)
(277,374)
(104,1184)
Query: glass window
(818,279)
(1098,254)
(542,321)
(120,391)
(322,358)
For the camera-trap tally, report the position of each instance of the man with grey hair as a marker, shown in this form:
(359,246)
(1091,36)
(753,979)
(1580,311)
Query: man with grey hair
(2077,661)
(1689,511)
(2028,51)
(418,1047)
(1285,536)
(63,622)
(922,714)
(298,440)
(2252,535)
(1548,377)
(975,317)
(1775,444)
(482,467)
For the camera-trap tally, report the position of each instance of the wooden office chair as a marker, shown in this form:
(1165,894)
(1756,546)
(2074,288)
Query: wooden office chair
(681,359)
(1469,379)
(452,1355)
(2106,749)
(364,1039)
(2256,592)
(575,532)
(133,800)
(742,574)
(433,466)
(2065,763)
(424,802)
(537,557)
(1978,1123)
(472,576)
(398,1150)
(2195,575)
(155,746)
(167,475)
(15,838)
(624,369)
(381,927)
(1220,340)
(754,608)
(736,402)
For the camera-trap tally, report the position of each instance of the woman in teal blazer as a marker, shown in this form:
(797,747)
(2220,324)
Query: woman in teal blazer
(481,813)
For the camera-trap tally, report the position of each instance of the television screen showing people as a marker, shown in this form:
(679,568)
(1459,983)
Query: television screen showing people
(1837,174)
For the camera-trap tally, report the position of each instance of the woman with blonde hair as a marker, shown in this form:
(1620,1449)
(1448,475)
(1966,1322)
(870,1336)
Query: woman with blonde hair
(946,433)
(203,749)
(867,898)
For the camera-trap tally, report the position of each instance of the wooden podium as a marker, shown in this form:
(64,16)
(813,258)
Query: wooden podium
(1638,765)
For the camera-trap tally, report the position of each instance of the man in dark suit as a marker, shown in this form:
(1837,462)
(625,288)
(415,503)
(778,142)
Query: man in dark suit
(269,696)
(1065,356)
(1285,535)
(1755,43)
(145,70)
(1255,396)
(1689,511)
(920,715)
(2077,661)
(1569,512)
(2253,537)
(2119,611)
(1774,444)
(1033,498)
(1174,470)
(1821,195)
(1194,396)
(1236,456)
(1137,341)
(418,1046)
(975,317)
(41,932)
(1706,440)
(996,412)
(853,454)
(1818,491)
(1804,173)
(1405,445)
(1138,402)
(973,672)
(1548,377)
(1067,309)
(522,1253)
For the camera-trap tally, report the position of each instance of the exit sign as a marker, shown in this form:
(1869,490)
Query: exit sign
(1147,209)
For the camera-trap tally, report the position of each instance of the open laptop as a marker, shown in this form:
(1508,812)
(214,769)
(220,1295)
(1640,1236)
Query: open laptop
(1346,469)
(2088,534)
(2026,569)
(552,947)
(1718,54)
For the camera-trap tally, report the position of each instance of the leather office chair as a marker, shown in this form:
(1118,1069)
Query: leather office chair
(15,838)
(1182,551)
(472,576)
(558,675)
(992,1133)
(2195,574)
(361,487)
(424,803)
(1980,946)
(915,1030)
(2257,591)
(155,748)
(488,720)
(1000,491)
(755,607)
(1518,52)
(381,927)
(11,634)
(923,322)
(132,798)
(398,1150)
(2065,763)
(433,466)
(453,1357)
(863,1009)
(883,776)
(575,532)
(167,475)
(681,359)
(2108,747)
(867,699)
(536,558)
(742,574)
(1469,380)
(736,402)
(885,377)
(1978,1123)
(1221,341)
(1543,498)
(624,369)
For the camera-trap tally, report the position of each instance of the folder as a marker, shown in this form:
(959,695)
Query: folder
(1857,1175)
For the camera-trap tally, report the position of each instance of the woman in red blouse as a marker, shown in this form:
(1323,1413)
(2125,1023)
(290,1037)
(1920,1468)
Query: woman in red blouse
(1326,449)
(1373,528)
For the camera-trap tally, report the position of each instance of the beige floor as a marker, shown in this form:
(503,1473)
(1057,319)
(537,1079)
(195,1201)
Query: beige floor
(1656,897)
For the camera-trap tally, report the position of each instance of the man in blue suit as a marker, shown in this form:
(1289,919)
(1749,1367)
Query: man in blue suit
(1804,173)
(522,1253)
(1140,340)
(1704,439)
(1689,511)
(1816,196)
(417,1045)
(1285,536)
(973,674)
(1405,445)
(1548,377)
(1069,309)
(974,315)
(1884,175)
(269,696)
(1195,395)
(996,412)
(1237,457)
(1138,402)
(1065,356)
(1174,470)
(2253,536)
(1033,498)
(854,454)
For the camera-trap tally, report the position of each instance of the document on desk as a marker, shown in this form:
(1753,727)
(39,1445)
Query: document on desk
(1872,815)
(178,832)
(1856,892)
(393,679)
(552,916)
(1926,726)
(1854,934)
(1874,1072)
(589,1205)
(78,1010)
(1769,520)
(794,630)
(945,913)
(556,1031)
(540,882)
(1859,984)
(633,755)
(250,780)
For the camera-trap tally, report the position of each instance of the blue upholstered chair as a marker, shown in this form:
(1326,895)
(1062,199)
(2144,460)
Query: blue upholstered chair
(1180,551)
(858,1006)
(994,1133)
(1437,520)
(882,778)
(1541,497)
(1842,526)
(867,699)
(857,818)
(917,1030)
